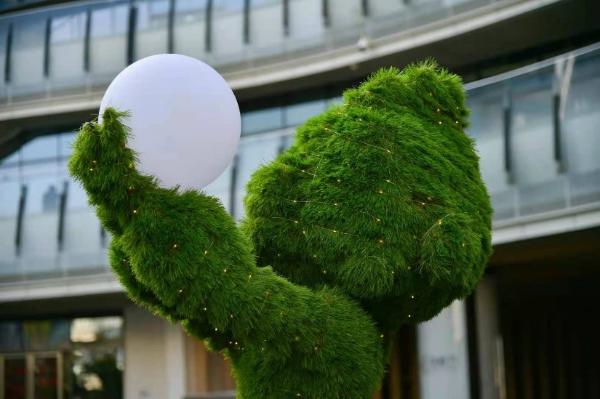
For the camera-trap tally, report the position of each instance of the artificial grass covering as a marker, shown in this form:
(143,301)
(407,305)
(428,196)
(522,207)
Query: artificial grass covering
(375,217)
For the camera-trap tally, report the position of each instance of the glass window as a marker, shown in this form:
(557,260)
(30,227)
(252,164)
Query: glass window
(582,116)
(266,26)
(306,24)
(91,352)
(220,187)
(96,357)
(299,113)
(108,40)
(66,49)
(152,23)
(10,192)
(443,354)
(190,27)
(43,191)
(532,144)
(580,137)
(27,62)
(262,120)
(110,20)
(3,34)
(65,144)
(77,197)
(45,147)
(45,334)
(335,100)
(383,8)
(345,13)
(286,142)
(253,152)
(11,159)
(229,5)
(82,249)
(487,128)
(11,337)
(227,31)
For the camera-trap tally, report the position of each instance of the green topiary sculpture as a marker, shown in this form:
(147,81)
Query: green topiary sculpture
(375,217)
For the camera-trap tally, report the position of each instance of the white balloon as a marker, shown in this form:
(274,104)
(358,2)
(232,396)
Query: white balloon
(184,119)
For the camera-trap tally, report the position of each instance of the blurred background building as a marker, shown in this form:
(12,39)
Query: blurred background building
(532,69)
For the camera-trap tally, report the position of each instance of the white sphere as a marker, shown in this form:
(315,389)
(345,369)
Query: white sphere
(184,119)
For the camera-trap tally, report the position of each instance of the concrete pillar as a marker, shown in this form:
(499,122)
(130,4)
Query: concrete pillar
(492,380)
(154,357)
(175,361)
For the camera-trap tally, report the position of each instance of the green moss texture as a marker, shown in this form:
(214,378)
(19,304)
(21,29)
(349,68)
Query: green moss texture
(375,217)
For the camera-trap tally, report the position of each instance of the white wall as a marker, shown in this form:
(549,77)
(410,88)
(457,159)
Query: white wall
(443,361)
(154,357)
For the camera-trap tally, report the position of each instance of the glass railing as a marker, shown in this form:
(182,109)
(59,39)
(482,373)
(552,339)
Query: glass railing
(78,47)
(47,228)
(537,131)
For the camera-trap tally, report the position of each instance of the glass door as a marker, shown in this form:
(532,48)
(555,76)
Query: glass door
(35,375)
(46,378)
(14,377)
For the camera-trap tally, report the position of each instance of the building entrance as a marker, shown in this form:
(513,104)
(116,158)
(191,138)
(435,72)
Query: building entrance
(548,298)
(33,375)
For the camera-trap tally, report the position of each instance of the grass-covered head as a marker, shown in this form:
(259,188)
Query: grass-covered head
(380,197)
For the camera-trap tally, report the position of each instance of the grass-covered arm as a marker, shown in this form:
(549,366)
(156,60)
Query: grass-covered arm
(182,256)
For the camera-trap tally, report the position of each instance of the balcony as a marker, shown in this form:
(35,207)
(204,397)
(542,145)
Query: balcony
(77,48)
(536,130)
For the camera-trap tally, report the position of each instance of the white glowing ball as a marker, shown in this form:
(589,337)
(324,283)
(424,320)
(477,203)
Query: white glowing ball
(184,119)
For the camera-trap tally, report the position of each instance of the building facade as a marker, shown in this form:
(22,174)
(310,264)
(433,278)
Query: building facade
(532,73)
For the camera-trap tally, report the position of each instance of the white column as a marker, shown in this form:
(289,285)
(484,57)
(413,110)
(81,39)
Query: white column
(175,361)
(443,355)
(489,341)
(145,374)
